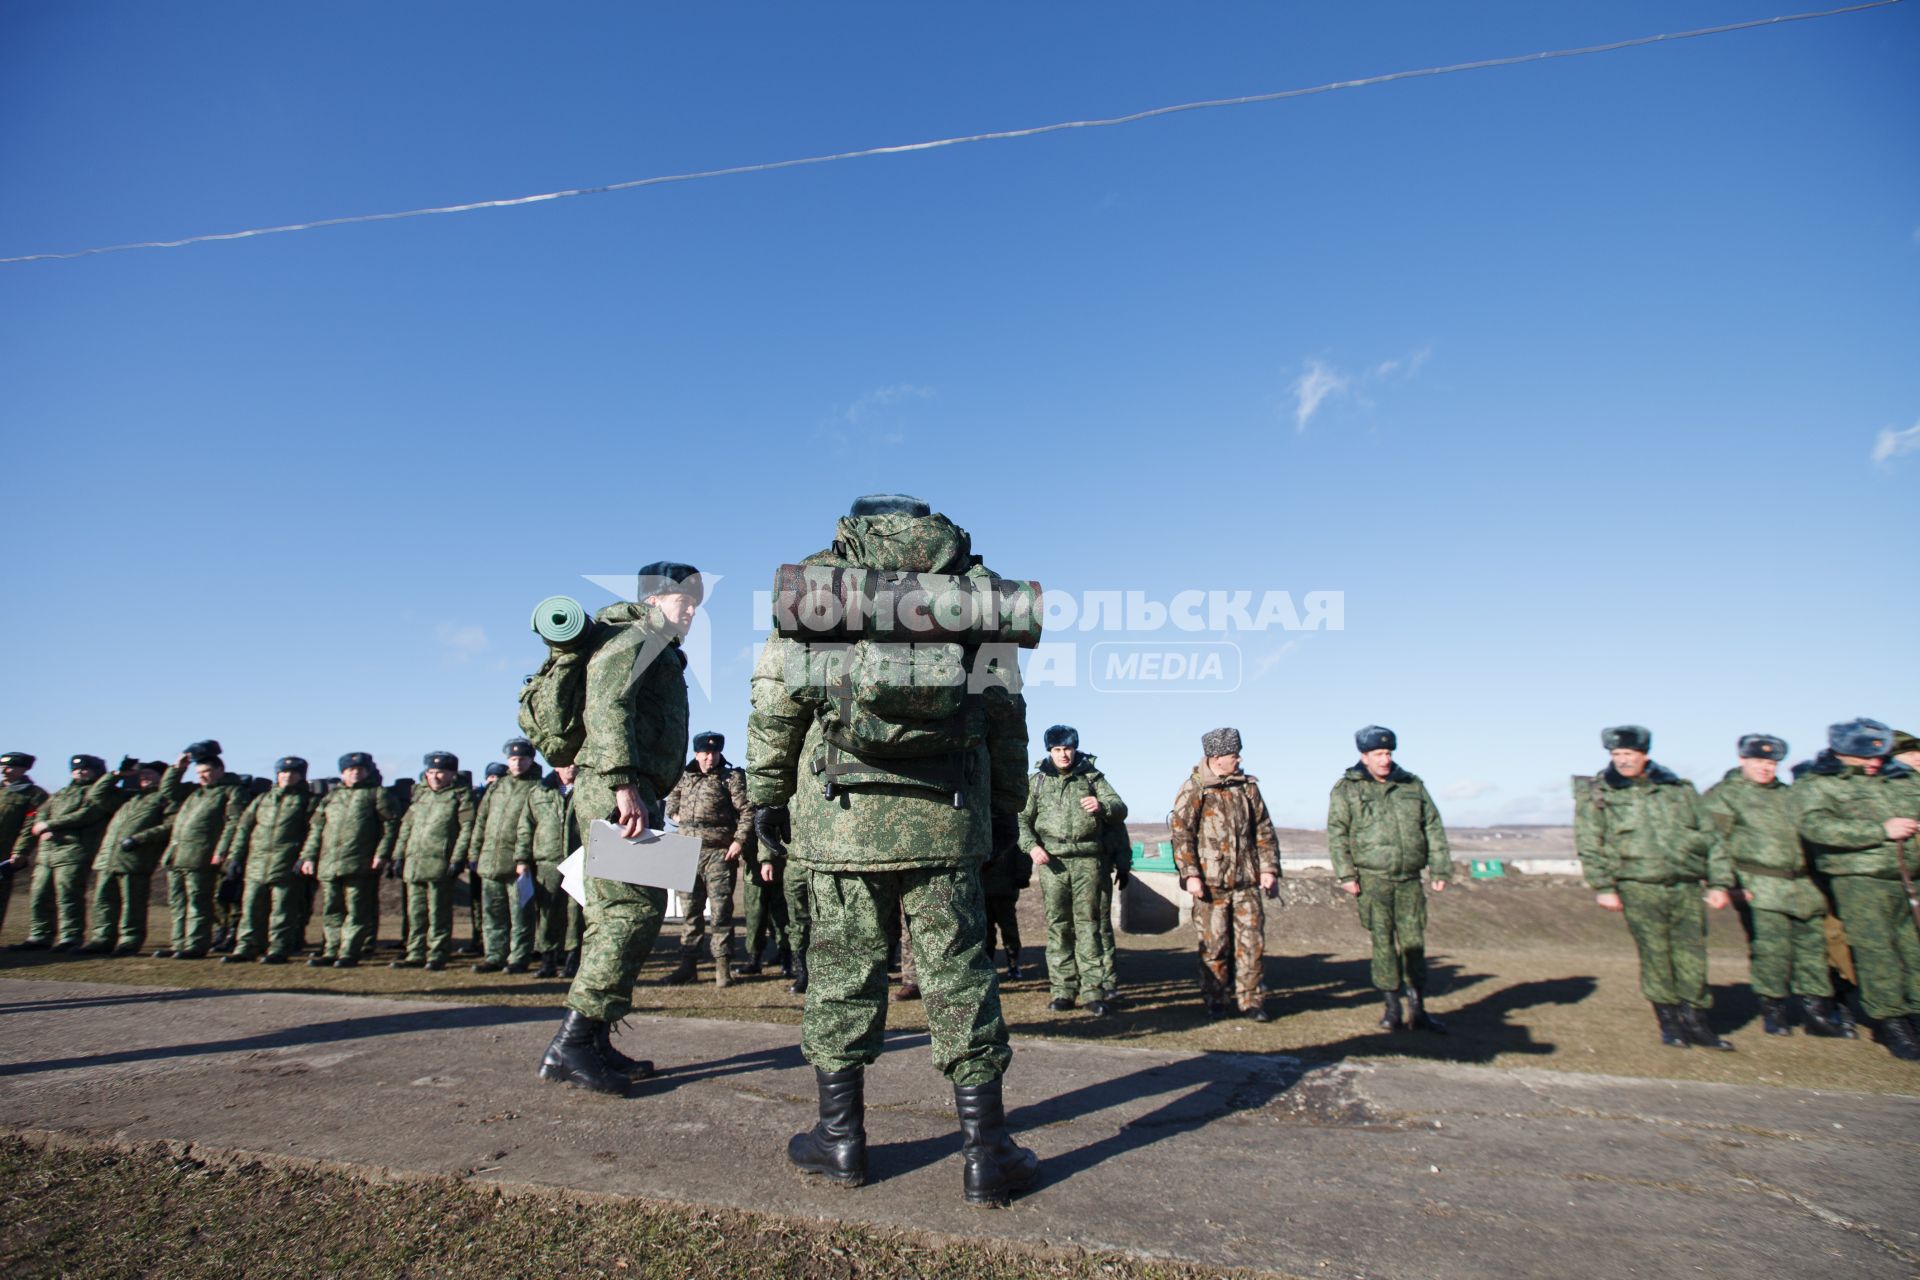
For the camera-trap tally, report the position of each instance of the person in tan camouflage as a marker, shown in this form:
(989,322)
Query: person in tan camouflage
(710,801)
(1226,856)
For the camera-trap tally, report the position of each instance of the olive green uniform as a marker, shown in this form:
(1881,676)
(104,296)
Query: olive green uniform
(351,830)
(432,848)
(1841,815)
(136,837)
(1384,835)
(1075,881)
(19,802)
(553,835)
(76,816)
(265,845)
(1757,824)
(502,844)
(202,816)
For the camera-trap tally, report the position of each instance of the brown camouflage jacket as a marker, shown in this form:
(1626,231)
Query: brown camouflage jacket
(713,805)
(1221,831)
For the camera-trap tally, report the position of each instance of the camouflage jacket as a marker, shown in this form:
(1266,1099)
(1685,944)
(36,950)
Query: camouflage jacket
(636,704)
(1389,828)
(1756,825)
(713,805)
(266,843)
(1053,817)
(435,833)
(351,830)
(1841,812)
(76,816)
(550,829)
(501,837)
(145,818)
(201,817)
(886,826)
(19,802)
(1650,830)
(1222,832)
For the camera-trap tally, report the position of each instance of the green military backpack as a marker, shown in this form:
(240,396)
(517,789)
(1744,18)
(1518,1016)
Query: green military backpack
(553,700)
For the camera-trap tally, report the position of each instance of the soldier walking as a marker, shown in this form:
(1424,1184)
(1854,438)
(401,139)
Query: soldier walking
(1645,846)
(710,801)
(1383,834)
(61,841)
(431,850)
(348,844)
(264,850)
(20,799)
(1226,856)
(135,838)
(1070,808)
(503,852)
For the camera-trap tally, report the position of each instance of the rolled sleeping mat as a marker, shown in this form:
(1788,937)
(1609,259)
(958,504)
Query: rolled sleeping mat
(817,603)
(560,620)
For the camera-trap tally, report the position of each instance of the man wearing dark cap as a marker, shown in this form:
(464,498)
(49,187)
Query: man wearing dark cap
(135,837)
(635,717)
(1227,858)
(202,817)
(1646,845)
(882,835)
(62,840)
(503,851)
(1063,829)
(265,846)
(710,801)
(432,851)
(20,798)
(1383,834)
(349,842)
(1753,812)
(1856,813)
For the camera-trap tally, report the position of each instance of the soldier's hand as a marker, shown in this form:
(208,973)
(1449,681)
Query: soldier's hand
(182,762)
(1717,899)
(41,828)
(733,852)
(216,860)
(1745,894)
(1039,856)
(1269,882)
(306,867)
(1439,886)
(1901,828)
(1350,887)
(1090,804)
(1196,888)
(629,814)
(1610,900)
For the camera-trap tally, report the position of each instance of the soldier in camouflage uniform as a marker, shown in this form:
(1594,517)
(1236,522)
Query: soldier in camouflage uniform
(764,908)
(1753,812)
(20,798)
(1070,806)
(1383,833)
(202,816)
(503,851)
(476,897)
(635,714)
(710,801)
(1226,856)
(887,835)
(1002,877)
(431,850)
(136,835)
(349,842)
(62,841)
(1856,814)
(552,835)
(1645,845)
(264,848)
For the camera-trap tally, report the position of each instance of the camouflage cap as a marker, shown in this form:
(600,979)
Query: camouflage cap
(1220,742)
(356,760)
(1063,735)
(441,760)
(18,759)
(84,761)
(1903,742)
(517,747)
(1627,737)
(889,504)
(289,764)
(1861,737)
(708,740)
(1762,746)
(669,578)
(1376,738)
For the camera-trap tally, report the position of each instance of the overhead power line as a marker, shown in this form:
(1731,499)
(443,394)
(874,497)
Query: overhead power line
(999,135)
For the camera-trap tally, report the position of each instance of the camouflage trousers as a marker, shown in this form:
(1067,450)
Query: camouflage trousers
(1669,927)
(1107,946)
(272,918)
(1395,913)
(622,920)
(506,922)
(799,894)
(430,919)
(846,1012)
(1071,890)
(1232,924)
(554,909)
(1789,955)
(1886,949)
(764,903)
(58,903)
(120,908)
(347,909)
(1003,918)
(190,902)
(714,884)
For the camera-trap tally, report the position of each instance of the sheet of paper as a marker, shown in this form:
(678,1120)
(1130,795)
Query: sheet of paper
(573,875)
(523,888)
(658,860)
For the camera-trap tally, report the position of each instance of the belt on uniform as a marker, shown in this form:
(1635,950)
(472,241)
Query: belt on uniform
(1771,873)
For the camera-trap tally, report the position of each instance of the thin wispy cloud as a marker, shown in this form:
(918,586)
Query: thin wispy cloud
(1320,382)
(1315,385)
(1891,444)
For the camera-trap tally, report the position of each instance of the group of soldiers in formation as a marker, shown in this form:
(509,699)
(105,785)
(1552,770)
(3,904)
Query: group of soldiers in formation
(851,853)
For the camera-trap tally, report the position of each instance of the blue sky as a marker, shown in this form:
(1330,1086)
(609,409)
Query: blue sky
(1570,376)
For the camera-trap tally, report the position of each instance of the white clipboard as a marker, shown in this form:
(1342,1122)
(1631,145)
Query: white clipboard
(656,859)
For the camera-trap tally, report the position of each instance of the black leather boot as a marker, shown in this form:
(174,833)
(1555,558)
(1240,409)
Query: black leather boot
(1672,1034)
(1773,1016)
(549,965)
(994,1165)
(683,972)
(799,987)
(574,1057)
(1821,1019)
(631,1068)
(1417,1016)
(1898,1035)
(571,968)
(1013,965)
(836,1146)
(786,961)
(1390,1016)
(1694,1022)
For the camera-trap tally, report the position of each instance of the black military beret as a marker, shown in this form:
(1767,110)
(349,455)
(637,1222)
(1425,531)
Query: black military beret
(889,504)
(1862,737)
(442,760)
(1762,746)
(1062,735)
(20,759)
(496,770)
(709,741)
(94,763)
(518,747)
(1628,737)
(205,751)
(1376,737)
(355,760)
(290,764)
(670,577)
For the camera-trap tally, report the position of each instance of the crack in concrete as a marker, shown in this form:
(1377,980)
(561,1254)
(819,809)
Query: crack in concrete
(1820,1212)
